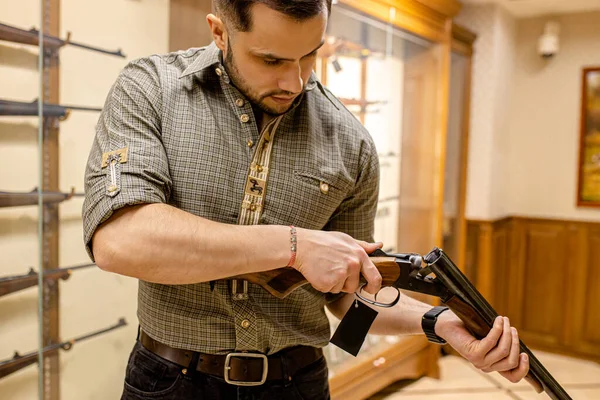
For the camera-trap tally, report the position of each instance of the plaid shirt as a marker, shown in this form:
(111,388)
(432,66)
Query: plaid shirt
(175,130)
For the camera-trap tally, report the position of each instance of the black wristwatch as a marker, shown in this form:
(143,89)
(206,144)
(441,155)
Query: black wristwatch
(428,324)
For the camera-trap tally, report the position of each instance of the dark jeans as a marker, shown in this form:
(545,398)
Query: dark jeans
(149,376)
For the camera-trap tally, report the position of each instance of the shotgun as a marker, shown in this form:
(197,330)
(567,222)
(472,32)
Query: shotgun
(17,35)
(434,274)
(18,362)
(12,284)
(19,108)
(10,199)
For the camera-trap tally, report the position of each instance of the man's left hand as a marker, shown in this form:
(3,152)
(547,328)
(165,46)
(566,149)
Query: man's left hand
(498,351)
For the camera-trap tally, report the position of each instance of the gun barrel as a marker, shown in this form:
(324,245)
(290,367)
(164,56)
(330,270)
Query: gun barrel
(479,316)
(18,108)
(117,53)
(17,35)
(10,199)
(18,362)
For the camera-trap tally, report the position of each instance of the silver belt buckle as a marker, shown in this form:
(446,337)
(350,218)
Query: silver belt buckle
(246,355)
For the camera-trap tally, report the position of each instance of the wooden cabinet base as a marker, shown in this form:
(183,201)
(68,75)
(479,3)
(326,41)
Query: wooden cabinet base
(412,357)
(543,274)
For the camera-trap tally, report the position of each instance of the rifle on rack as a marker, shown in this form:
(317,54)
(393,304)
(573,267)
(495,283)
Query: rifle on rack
(8,199)
(341,46)
(12,284)
(17,35)
(434,275)
(19,108)
(359,102)
(363,104)
(18,362)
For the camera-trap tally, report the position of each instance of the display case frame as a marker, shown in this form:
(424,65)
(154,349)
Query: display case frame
(412,357)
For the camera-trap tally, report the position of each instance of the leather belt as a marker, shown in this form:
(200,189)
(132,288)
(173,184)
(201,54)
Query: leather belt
(242,369)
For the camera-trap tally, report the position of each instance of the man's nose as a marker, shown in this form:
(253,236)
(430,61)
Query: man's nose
(292,81)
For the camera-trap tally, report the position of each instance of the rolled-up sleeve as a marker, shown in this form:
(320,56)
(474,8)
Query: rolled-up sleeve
(127,164)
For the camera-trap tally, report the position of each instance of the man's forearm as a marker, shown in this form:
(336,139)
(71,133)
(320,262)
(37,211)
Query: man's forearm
(160,243)
(402,319)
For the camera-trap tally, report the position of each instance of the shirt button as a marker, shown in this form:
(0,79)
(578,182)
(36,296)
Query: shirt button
(245,324)
(239,102)
(324,188)
(250,143)
(219,72)
(253,207)
(259,168)
(244,118)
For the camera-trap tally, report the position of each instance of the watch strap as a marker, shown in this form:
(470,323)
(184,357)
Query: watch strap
(428,324)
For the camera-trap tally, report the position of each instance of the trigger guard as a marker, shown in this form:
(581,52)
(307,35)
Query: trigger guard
(376,303)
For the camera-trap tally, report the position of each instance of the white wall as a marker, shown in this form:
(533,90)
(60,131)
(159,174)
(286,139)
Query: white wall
(90,299)
(525,115)
(491,92)
(543,127)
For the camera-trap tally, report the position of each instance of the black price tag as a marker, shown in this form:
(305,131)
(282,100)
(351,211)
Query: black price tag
(353,328)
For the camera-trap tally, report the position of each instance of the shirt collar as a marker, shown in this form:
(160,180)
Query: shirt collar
(209,57)
(212,56)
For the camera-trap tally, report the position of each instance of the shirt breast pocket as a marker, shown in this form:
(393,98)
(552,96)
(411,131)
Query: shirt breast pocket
(319,195)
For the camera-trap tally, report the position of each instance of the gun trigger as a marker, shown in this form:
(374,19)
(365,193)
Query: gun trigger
(378,304)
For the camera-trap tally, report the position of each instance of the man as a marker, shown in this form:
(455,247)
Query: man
(202,161)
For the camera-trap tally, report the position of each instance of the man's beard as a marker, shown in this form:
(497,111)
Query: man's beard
(255,98)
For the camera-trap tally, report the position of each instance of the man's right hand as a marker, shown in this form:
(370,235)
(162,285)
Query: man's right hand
(333,262)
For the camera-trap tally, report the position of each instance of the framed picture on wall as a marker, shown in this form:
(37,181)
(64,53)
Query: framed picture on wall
(588,192)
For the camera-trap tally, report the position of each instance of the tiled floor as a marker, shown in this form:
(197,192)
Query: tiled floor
(461,381)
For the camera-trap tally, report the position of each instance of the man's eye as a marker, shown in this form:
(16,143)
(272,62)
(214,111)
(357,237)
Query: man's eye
(271,62)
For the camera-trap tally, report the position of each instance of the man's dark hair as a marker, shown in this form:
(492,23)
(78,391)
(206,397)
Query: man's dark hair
(238,12)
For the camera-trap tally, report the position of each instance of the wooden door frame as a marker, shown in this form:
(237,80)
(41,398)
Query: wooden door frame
(462,43)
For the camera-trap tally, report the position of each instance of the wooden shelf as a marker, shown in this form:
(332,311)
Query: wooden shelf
(409,358)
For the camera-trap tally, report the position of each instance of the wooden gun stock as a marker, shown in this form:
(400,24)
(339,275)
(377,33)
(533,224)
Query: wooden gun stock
(12,284)
(283,281)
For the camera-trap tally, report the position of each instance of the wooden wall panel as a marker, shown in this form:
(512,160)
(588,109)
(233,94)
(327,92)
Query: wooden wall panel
(591,327)
(587,284)
(472,253)
(501,258)
(545,275)
(542,281)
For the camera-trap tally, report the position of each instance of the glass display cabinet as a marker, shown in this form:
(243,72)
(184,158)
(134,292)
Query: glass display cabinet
(403,80)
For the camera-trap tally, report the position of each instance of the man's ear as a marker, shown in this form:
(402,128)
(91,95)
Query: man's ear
(218,31)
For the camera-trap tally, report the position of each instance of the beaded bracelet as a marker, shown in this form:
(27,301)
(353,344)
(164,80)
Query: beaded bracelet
(293,241)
